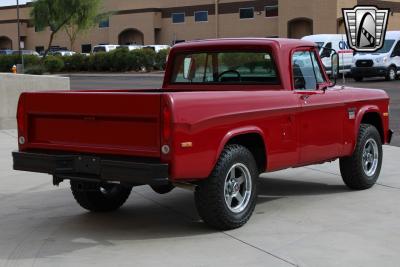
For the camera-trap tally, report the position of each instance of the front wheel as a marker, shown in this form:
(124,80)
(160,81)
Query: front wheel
(99,197)
(391,74)
(226,200)
(361,170)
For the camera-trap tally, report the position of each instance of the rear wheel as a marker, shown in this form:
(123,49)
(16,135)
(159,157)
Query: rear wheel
(361,170)
(226,200)
(99,197)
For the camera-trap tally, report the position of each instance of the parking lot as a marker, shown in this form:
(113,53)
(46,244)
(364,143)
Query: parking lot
(304,217)
(147,81)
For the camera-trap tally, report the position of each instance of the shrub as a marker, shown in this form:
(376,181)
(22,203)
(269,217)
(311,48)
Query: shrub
(53,64)
(100,62)
(120,60)
(161,59)
(35,70)
(142,59)
(76,62)
(8,61)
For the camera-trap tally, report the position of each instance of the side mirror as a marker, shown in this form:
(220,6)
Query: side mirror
(188,68)
(335,67)
(326,53)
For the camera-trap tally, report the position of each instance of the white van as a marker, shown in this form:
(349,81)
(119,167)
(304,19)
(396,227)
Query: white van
(104,48)
(382,63)
(131,47)
(337,42)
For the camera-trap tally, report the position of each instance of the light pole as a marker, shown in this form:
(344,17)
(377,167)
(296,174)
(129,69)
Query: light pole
(19,38)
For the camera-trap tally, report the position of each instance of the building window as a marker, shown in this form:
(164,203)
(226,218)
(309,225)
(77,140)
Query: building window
(104,23)
(271,11)
(178,17)
(86,48)
(246,13)
(201,16)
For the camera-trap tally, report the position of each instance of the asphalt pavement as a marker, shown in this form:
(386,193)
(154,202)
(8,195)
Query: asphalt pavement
(303,217)
(151,81)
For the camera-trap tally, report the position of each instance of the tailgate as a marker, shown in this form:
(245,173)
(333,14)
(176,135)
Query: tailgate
(120,123)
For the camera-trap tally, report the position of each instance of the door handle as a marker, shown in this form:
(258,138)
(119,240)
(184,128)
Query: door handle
(304,97)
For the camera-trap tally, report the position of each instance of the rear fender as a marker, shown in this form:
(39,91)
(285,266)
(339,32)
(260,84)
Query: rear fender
(236,132)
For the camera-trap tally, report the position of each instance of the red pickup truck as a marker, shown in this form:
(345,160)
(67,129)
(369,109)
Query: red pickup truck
(228,110)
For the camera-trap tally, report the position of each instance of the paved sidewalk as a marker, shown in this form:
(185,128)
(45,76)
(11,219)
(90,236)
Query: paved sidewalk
(304,217)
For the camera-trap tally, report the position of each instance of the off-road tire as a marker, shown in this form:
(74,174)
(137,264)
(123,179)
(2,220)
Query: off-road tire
(89,195)
(209,194)
(162,189)
(351,167)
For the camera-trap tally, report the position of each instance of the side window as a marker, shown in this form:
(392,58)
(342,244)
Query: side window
(318,73)
(303,71)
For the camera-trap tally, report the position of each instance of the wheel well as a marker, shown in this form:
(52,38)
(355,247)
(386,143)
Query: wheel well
(255,143)
(374,119)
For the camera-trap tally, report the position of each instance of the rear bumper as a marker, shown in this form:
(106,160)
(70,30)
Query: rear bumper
(368,71)
(96,168)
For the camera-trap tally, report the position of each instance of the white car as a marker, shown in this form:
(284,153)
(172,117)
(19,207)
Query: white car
(131,47)
(157,48)
(382,63)
(104,48)
(337,42)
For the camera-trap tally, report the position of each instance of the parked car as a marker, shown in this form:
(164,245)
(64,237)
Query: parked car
(228,110)
(104,48)
(333,42)
(63,53)
(382,63)
(25,52)
(131,47)
(6,52)
(157,48)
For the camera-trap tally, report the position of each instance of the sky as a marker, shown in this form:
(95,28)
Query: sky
(11,2)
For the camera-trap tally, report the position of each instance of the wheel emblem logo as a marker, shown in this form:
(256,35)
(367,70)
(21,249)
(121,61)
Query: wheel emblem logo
(366,27)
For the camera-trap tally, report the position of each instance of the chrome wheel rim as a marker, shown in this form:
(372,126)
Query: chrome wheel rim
(237,188)
(370,157)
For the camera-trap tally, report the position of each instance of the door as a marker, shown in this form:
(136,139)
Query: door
(322,110)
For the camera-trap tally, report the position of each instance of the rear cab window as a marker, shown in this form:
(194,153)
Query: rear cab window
(228,67)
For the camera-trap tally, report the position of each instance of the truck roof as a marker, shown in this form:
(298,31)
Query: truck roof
(279,42)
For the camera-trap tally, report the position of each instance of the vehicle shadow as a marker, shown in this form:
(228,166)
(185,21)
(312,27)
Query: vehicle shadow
(146,216)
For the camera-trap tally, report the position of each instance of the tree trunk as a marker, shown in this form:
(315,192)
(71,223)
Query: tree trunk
(49,46)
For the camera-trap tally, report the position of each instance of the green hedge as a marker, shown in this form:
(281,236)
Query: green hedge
(8,61)
(119,60)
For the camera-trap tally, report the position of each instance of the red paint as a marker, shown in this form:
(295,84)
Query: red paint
(298,127)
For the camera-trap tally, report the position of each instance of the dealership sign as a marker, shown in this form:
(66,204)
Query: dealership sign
(365,27)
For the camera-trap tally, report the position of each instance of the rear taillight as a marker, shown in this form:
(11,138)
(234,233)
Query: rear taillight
(166,124)
(21,120)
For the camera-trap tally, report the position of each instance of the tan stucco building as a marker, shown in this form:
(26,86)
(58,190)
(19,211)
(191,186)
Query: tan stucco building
(169,21)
